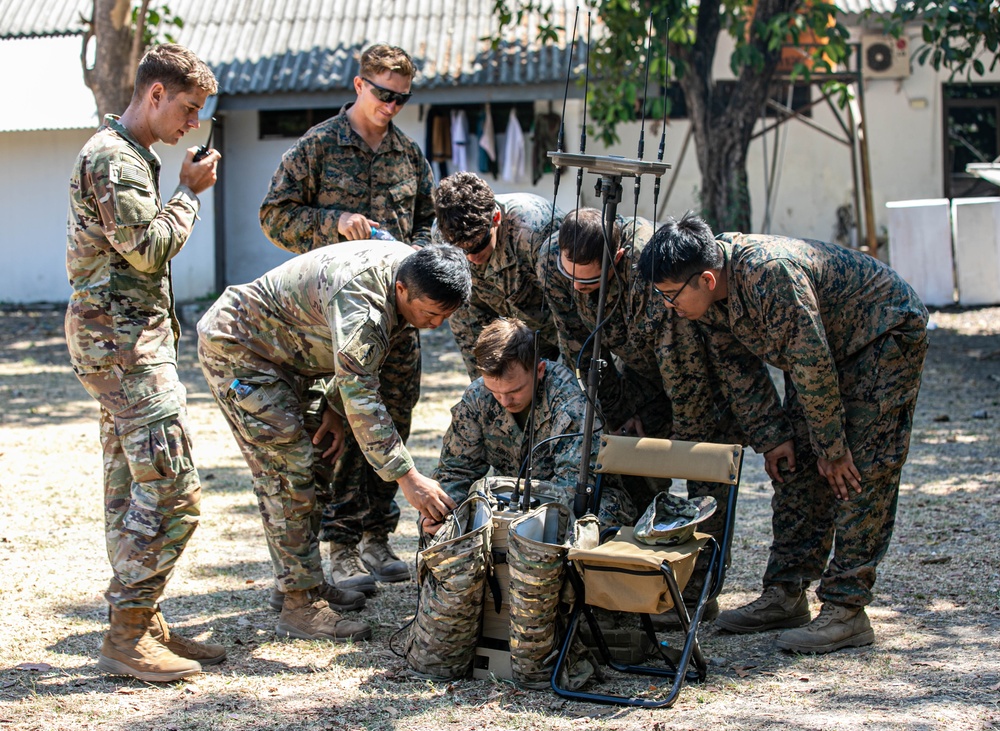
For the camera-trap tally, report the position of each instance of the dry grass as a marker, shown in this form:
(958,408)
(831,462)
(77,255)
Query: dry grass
(935,664)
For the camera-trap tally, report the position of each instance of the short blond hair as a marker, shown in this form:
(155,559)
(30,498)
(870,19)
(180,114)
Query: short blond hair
(382,57)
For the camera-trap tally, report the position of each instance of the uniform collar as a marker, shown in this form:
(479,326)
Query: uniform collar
(113,122)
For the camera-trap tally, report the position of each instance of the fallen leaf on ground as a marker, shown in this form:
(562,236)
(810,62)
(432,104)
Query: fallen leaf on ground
(33,666)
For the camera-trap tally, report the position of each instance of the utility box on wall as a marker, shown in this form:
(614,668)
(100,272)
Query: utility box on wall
(920,248)
(976,223)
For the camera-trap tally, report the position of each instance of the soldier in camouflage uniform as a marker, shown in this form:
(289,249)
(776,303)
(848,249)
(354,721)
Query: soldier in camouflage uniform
(669,388)
(850,336)
(502,237)
(489,426)
(331,313)
(357,176)
(122,335)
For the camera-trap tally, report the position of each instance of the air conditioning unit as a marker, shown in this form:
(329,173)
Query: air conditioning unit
(885,57)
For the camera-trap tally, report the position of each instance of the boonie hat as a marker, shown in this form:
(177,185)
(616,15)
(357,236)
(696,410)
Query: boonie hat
(670,519)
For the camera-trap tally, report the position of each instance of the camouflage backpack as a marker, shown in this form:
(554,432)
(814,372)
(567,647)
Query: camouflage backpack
(451,573)
(539,600)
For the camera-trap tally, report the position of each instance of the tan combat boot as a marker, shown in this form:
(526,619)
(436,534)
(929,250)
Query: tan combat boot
(835,627)
(347,571)
(206,653)
(340,600)
(305,616)
(775,609)
(129,649)
(379,558)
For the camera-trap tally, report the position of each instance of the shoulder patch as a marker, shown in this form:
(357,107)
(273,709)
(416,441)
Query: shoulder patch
(130,174)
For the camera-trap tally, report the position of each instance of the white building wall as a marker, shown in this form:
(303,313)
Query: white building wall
(34,201)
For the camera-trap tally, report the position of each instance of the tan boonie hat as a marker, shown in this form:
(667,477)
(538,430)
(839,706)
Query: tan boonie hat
(670,519)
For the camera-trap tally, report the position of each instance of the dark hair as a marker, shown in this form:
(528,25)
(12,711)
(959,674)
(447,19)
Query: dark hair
(177,68)
(581,236)
(439,273)
(382,57)
(501,343)
(464,206)
(679,250)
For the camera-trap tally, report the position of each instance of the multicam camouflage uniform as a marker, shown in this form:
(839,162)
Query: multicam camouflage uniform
(122,337)
(483,434)
(850,336)
(329,171)
(330,313)
(506,285)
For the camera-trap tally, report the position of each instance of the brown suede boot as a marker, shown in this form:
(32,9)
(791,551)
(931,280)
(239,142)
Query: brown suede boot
(129,649)
(306,616)
(340,600)
(347,570)
(776,608)
(835,627)
(206,653)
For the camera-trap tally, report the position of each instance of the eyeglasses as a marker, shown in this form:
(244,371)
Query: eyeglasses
(568,275)
(671,298)
(388,96)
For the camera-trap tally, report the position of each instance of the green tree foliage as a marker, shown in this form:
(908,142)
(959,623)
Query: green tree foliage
(962,36)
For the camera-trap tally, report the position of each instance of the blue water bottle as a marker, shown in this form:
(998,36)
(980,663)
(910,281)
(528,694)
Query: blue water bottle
(382,235)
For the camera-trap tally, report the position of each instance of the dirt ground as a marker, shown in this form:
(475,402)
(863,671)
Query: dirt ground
(935,663)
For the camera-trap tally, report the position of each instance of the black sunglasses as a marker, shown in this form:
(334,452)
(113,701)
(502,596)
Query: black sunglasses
(671,298)
(481,246)
(388,96)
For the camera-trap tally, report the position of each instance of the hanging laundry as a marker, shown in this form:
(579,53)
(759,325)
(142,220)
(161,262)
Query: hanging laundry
(513,151)
(487,143)
(459,140)
(546,140)
(487,139)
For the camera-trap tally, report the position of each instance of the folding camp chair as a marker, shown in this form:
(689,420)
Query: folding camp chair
(625,575)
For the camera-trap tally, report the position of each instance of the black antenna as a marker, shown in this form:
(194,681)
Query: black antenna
(611,169)
(663,130)
(526,500)
(202,152)
(558,169)
(626,281)
(583,124)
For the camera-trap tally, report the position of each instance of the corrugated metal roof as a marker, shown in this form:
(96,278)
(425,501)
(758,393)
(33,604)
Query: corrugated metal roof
(268,46)
(855,7)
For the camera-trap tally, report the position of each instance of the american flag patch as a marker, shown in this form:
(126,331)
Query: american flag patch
(133,175)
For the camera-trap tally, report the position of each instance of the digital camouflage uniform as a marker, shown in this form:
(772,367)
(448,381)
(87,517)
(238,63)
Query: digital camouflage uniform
(667,376)
(850,336)
(506,285)
(483,434)
(329,171)
(122,336)
(630,381)
(328,314)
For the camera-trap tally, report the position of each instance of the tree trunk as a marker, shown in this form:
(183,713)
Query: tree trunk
(723,118)
(116,54)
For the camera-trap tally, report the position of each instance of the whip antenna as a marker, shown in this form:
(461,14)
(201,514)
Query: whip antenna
(526,499)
